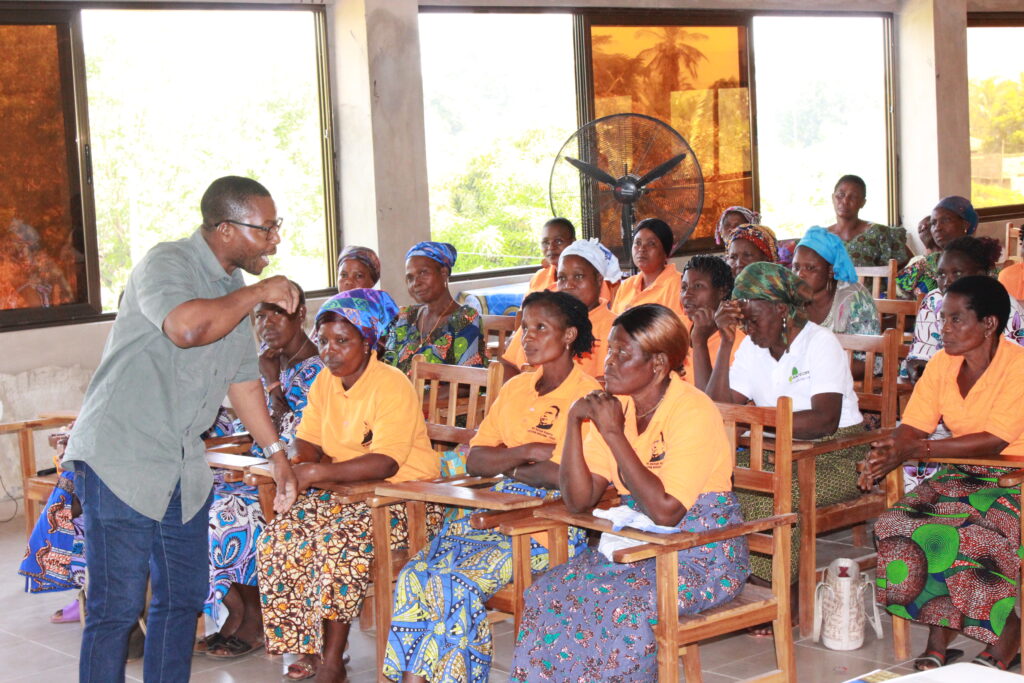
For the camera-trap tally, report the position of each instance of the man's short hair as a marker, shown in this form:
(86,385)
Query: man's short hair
(228,198)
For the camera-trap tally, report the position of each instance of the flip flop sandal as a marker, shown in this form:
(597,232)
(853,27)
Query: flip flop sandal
(991,661)
(235,647)
(937,658)
(204,645)
(68,614)
(306,669)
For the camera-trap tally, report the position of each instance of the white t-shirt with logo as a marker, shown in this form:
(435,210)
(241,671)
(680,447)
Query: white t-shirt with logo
(814,364)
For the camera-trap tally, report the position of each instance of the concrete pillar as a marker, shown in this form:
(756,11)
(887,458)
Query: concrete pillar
(378,93)
(935,157)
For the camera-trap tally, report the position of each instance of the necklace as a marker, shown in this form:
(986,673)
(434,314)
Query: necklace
(288,363)
(643,415)
(426,337)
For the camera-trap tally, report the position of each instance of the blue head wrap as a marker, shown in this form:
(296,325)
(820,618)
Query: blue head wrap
(831,248)
(369,310)
(961,207)
(442,252)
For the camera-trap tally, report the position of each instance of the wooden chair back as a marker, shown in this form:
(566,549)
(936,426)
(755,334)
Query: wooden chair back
(497,330)
(451,392)
(899,315)
(879,279)
(36,487)
(877,394)
(1013,243)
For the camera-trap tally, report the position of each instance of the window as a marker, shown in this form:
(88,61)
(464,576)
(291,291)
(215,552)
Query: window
(91,184)
(168,118)
(500,100)
(43,273)
(995,73)
(821,114)
(693,78)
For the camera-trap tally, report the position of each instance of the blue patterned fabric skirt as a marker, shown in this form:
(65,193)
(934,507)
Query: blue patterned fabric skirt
(55,558)
(439,628)
(236,522)
(593,620)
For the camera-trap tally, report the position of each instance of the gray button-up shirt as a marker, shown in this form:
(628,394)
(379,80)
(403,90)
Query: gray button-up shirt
(150,400)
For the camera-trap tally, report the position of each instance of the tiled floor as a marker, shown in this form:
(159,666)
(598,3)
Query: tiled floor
(32,649)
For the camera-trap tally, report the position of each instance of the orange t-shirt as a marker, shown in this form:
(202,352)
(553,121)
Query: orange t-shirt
(543,279)
(714,342)
(685,445)
(601,320)
(380,413)
(992,405)
(520,415)
(664,291)
(1012,278)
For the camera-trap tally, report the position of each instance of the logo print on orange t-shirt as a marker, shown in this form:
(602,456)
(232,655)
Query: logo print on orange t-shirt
(367,436)
(657,450)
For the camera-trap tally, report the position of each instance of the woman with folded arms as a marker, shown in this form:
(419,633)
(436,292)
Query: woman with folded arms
(947,552)
(439,629)
(662,443)
(363,421)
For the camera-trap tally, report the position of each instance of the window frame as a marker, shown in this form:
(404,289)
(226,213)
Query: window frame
(585,18)
(76,126)
(1003,212)
(23,12)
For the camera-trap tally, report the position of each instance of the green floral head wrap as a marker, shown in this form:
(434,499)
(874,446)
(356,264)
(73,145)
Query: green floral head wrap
(765,281)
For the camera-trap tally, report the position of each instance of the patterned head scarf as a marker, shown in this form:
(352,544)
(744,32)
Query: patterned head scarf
(765,281)
(749,217)
(831,248)
(761,236)
(365,255)
(961,207)
(442,252)
(369,310)
(597,255)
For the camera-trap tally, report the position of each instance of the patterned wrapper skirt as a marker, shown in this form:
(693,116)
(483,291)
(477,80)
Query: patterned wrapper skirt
(439,628)
(314,564)
(835,481)
(947,552)
(236,523)
(55,557)
(593,620)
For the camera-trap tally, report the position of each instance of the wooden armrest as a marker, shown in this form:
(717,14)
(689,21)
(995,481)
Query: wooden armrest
(769,443)
(230,439)
(677,541)
(839,444)
(528,525)
(1010,479)
(468,480)
(231,461)
(489,519)
(39,423)
(642,552)
(460,496)
(350,491)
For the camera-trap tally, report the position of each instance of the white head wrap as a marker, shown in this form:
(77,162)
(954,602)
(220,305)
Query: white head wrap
(597,255)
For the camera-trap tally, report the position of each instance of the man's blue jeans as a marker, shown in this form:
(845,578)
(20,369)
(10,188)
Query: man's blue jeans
(123,549)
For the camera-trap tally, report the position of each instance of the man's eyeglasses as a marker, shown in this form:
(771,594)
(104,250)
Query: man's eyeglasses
(274,229)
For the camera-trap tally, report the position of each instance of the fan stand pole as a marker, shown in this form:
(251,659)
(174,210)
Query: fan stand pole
(627,235)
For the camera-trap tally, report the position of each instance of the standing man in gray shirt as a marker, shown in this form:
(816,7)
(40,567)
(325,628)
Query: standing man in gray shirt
(181,341)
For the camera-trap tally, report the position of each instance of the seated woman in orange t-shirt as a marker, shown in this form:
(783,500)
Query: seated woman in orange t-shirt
(363,421)
(947,552)
(658,279)
(556,235)
(584,271)
(707,282)
(440,631)
(662,443)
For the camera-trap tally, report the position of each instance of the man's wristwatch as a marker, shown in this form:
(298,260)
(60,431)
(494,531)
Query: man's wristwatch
(274,448)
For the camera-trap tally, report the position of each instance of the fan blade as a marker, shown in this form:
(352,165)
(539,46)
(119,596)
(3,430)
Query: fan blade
(660,170)
(592,171)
